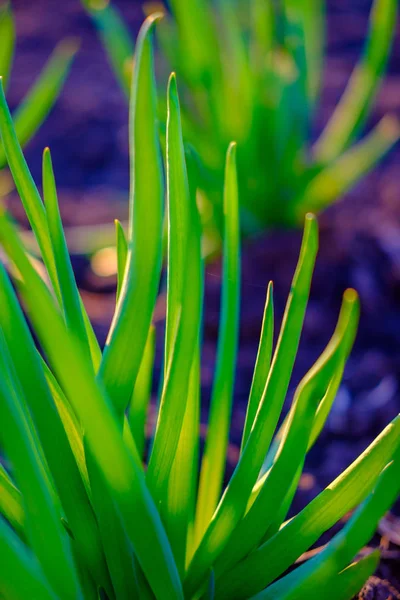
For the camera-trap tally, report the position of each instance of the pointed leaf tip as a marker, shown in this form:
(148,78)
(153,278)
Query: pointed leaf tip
(231,155)
(350,295)
(151,20)
(172,87)
(232,147)
(145,32)
(311,227)
(46,154)
(310,217)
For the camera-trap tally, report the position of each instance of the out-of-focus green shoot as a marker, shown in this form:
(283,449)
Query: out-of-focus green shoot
(251,70)
(40,98)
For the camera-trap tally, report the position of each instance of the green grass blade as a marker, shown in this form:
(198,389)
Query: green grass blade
(69,292)
(116,40)
(213,461)
(141,394)
(185,306)
(326,405)
(53,436)
(36,212)
(44,529)
(291,450)
(11,506)
(36,105)
(122,254)
(356,102)
(270,560)
(130,444)
(262,366)
(102,428)
(338,177)
(345,585)
(21,576)
(74,309)
(27,190)
(312,575)
(183,481)
(345,332)
(117,547)
(70,423)
(179,211)
(82,239)
(94,347)
(284,506)
(7,37)
(182,489)
(234,502)
(89,588)
(319,421)
(121,359)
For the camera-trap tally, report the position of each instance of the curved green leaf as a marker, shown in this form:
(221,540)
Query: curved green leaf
(71,300)
(40,99)
(122,254)
(356,102)
(311,577)
(185,308)
(262,366)
(263,565)
(44,529)
(213,461)
(57,445)
(293,445)
(121,359)
(21,576)
(7,37)
(11,506)
(102,429)
(234,501)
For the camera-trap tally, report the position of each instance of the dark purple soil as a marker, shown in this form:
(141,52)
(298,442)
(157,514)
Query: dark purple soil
(359,245)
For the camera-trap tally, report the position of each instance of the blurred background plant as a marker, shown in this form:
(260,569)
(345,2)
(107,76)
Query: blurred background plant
(40,98)
(252,71)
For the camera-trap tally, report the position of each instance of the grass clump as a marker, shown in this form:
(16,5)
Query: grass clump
(41,97)
(83,514)
(251,71)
